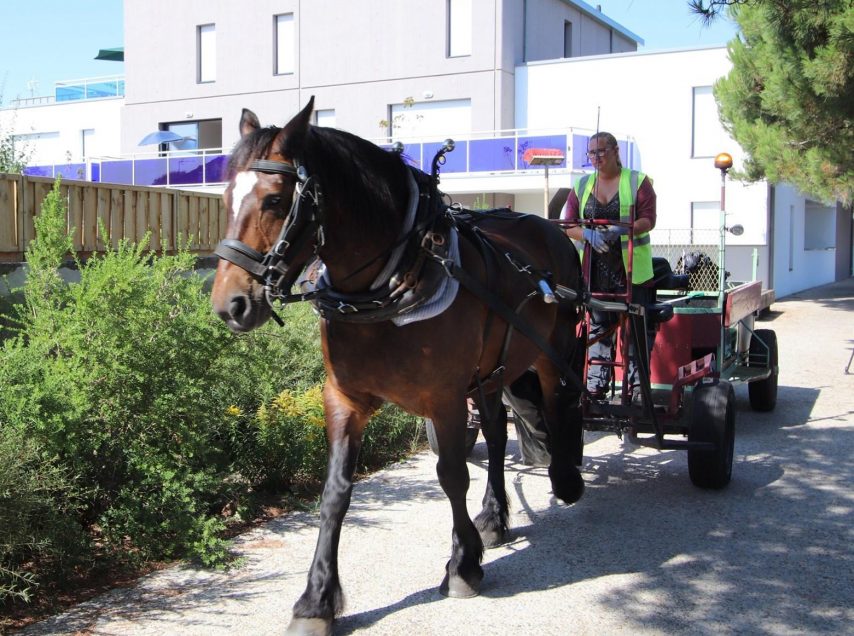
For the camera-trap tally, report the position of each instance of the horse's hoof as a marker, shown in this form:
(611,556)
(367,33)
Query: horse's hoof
(457,587)
(492,538)
(567,484)
(309,627)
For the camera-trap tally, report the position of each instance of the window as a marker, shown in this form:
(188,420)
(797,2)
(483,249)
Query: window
(325,118)
(197,135)
(206,43)
(87,142)
(819,226)
(708,136)
(459,28)
(285,44)
(567,38)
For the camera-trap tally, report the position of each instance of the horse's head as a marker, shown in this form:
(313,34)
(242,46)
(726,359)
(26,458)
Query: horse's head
(270,233)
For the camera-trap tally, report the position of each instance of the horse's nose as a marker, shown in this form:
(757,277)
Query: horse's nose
(238,307)
(236,311)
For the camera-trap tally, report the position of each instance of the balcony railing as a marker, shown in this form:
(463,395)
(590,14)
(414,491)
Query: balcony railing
(75,90)
(475,154)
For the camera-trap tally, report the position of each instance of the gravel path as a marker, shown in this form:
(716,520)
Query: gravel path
(644,552)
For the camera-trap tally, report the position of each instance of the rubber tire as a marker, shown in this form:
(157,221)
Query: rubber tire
(471,436)
(712,420)
(763,393)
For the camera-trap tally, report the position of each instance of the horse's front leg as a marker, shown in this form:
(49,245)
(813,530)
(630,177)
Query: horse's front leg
(463,571)
(562,413)
(491,522)
(323,599)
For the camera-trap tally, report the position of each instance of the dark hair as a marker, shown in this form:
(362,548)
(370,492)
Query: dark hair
(609,140)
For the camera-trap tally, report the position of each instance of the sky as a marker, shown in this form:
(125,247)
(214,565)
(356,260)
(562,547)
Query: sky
(45,41)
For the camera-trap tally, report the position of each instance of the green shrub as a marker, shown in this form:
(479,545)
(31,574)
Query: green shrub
(38,503)
(286,439)
(145,418)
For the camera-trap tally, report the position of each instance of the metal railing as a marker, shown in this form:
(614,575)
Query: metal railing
(476,154)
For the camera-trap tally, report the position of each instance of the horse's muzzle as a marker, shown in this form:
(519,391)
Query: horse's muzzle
(241,313)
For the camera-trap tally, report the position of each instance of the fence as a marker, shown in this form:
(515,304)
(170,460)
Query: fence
(172,217)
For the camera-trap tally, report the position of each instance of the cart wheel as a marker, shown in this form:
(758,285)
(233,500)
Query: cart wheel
(471,436)
(763,393)
(712,420)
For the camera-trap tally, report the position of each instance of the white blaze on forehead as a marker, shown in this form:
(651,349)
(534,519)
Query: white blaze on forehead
(244,183)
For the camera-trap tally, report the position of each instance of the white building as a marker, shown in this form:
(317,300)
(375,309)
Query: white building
(481,71)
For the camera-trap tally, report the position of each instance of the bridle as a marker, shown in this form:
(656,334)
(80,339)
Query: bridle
(276,270)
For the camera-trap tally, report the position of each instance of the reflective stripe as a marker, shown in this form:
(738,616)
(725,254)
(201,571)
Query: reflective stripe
(642,239)
(630,181)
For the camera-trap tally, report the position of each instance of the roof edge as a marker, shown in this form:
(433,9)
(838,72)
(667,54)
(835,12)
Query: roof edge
(604,19)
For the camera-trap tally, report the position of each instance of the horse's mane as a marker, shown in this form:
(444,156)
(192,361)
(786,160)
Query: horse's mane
(368,179)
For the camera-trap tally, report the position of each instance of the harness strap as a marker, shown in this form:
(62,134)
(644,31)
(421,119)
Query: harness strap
(493,302)
(243,256)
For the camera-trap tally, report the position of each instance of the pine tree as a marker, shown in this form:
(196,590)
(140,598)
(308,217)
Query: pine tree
(789,98)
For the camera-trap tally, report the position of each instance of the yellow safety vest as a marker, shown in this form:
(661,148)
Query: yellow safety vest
(630,181)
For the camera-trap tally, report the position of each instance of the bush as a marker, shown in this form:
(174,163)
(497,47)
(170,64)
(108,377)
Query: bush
(144,417)
(38,504)
(285,442)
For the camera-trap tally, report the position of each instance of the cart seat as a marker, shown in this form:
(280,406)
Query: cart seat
(663,276)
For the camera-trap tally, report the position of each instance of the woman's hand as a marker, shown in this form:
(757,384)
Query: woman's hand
(596,239)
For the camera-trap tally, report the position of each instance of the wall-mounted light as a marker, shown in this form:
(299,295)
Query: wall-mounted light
(427,94)
(188,115)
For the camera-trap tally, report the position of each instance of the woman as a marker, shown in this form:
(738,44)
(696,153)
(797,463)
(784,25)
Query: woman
(619,195)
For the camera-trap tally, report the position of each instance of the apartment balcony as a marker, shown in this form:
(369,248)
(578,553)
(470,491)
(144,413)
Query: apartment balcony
(76,90)
(480,162)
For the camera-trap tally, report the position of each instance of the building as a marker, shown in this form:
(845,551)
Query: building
(496,75)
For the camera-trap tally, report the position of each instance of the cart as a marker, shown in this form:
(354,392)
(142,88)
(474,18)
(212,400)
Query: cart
(705,342)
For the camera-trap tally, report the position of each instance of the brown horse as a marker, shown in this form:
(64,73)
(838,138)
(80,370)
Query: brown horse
(390,249)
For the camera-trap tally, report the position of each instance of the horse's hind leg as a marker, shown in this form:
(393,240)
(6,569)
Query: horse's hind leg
(323,599)
(491,522)
(463,571)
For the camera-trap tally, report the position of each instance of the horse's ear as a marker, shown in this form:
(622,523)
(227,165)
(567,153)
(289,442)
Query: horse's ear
(248,123)
(293,133)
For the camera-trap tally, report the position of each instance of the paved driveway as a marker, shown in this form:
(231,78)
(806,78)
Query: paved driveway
(644,552)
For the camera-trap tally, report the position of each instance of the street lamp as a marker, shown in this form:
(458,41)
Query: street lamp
(544,157)
(723,162)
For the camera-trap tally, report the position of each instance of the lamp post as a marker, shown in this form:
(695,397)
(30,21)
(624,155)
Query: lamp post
(544,157)
(723,162)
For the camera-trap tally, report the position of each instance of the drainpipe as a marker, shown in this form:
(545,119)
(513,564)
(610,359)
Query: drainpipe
(769,239)
(524,31)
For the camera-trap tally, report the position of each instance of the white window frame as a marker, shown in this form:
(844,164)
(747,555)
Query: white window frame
(284,33)
(324,117)
(206,53)
(459,27)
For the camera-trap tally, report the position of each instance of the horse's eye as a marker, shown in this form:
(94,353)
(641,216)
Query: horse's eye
(273,203)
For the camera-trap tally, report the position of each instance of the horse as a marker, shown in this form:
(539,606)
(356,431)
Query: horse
(421,304)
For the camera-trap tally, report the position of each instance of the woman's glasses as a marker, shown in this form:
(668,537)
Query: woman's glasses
(598,154)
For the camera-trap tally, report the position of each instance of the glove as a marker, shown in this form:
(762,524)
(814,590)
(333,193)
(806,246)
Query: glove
(596,239)
(612,233)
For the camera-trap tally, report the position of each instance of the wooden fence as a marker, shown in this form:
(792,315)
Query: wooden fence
(171,216)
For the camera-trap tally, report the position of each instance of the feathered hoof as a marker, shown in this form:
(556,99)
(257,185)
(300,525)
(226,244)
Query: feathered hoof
(309,627)
(567,483)
(457,587)
(492,538)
